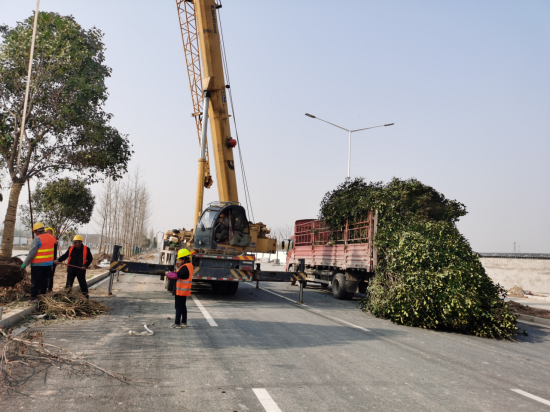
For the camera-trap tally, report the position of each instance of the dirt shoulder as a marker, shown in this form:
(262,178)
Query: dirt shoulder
(527,310)
(60,277)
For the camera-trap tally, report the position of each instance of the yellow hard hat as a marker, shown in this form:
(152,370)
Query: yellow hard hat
(37,226)
(78,238)
(51,229)
(183,253)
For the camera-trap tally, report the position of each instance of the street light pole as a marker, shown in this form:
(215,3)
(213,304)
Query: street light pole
(350,131)
(349,153)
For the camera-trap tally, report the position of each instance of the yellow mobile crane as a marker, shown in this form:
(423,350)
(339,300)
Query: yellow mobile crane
(202,43)
(223,237)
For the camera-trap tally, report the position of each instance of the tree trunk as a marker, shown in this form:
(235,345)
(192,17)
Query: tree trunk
(9,221)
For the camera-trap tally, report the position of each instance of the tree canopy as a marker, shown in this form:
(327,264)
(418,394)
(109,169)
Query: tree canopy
(67,128)
(65,205)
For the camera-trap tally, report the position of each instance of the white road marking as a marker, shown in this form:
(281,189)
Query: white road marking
(321,313)
(265,399)
(282,296)
(532,396)
(204,312)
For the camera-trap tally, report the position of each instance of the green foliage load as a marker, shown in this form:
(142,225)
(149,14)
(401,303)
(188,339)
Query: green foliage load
(427,274)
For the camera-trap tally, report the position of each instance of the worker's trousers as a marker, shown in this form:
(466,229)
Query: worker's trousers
(73,273)
(39,279)
(181,309)
(49,286)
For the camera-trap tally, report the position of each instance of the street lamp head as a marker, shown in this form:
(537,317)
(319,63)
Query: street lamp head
(389,124)
(311,116)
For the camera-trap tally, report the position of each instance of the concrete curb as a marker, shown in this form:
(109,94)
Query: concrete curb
(534,319)
(13,319)
(95,279)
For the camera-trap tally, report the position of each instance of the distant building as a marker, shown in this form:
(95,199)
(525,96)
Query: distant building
(18,241)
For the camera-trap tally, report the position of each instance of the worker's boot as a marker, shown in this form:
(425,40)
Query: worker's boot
(175,325)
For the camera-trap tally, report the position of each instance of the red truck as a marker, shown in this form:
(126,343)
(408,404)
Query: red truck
(344,258)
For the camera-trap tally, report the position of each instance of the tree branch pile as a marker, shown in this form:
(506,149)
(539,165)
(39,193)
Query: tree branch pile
(70,304)
(20,359)
(427,274)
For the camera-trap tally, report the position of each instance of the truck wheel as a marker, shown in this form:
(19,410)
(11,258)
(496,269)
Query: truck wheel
(363,287)
(339,287)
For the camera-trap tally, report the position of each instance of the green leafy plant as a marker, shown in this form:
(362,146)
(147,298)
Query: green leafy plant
(64,204)
(427,275)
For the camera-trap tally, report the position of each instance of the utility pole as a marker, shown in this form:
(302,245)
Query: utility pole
(23,117)
(30,208)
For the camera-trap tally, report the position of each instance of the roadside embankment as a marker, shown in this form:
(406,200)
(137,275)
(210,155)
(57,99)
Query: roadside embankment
(528,271)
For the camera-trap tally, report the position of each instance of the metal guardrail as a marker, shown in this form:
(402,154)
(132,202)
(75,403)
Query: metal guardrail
(521,255)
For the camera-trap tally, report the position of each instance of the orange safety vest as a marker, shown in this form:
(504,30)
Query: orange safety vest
(84,254)
(183,287)
(44,254)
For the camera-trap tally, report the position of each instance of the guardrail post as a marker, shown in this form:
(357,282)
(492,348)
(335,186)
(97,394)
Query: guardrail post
(115,257)
(301,268)
(120,258)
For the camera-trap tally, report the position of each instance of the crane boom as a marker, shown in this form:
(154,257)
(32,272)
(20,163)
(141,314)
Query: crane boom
(190,38)
(213,81)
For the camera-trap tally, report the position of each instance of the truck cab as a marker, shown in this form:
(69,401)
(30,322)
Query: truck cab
(222,223)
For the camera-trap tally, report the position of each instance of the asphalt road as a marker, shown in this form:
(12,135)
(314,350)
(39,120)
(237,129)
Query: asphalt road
(260,351)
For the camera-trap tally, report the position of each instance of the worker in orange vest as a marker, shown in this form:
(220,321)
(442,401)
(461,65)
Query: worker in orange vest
(182,287)
(79,259)
(49,286)
(41,259)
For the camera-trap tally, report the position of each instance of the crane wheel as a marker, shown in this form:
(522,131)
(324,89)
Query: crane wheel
(226,287)
(170,284)
(233,288)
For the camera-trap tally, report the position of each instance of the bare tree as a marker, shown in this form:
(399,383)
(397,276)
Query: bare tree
(282,233)
(123,214)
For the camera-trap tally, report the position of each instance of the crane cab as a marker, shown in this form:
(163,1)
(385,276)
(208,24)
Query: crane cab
(222,225)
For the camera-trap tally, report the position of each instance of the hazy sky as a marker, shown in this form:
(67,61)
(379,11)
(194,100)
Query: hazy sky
(467,84)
